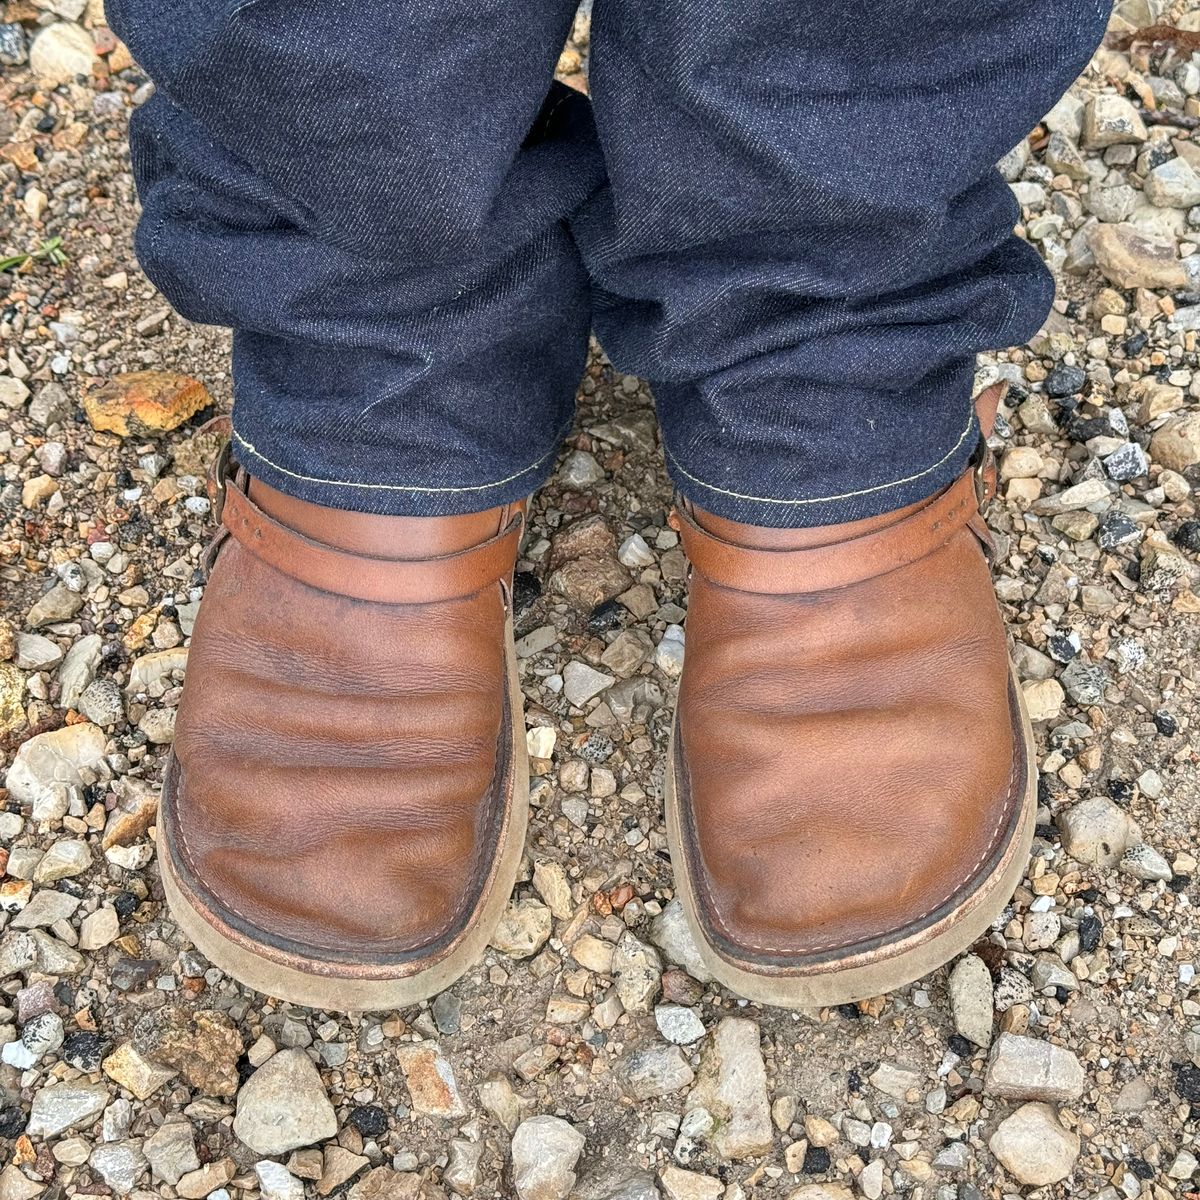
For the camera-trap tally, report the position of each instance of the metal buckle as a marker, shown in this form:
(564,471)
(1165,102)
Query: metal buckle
(220,473)
(981,461)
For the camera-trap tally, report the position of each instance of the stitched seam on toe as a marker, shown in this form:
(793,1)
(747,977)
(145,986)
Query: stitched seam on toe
(840,944)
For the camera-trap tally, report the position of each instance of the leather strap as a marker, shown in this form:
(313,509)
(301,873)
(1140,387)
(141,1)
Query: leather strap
(359,576)
(855,560)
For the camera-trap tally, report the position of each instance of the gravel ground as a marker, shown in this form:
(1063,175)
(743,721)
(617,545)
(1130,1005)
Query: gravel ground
(588,1054)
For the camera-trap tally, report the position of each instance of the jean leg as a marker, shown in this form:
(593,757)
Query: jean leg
(373,198)
(803,242)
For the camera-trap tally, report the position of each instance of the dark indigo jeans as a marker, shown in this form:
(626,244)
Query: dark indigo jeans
(783,214)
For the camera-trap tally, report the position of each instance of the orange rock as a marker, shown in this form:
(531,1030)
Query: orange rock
(144,403)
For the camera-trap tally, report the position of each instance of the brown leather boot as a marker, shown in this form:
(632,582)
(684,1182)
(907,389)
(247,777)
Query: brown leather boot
(851,790)
(344,811)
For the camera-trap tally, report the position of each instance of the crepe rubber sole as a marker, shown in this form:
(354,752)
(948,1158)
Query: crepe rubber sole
(335,986)
(895,964)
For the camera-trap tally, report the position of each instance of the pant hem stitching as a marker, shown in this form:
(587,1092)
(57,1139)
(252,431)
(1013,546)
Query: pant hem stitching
(879,487)
(252,450)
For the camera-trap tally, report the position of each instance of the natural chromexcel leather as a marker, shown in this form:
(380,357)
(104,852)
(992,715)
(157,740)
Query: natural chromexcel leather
(848,749)
(341,750)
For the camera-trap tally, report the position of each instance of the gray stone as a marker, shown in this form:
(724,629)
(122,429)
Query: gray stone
(47,906)
(60,603)
(1111,120)
(670,932)
(545,1150)
(1084,682)
(654,1071)
(171,1151)
(581,683)
(580,470)
(1026,1068)
(640,1186)
(895,1081)
(1173,184)
(1129,462)
(101,703)
(13,50)
(78,669)
(36,653)
(971,1000)
(283,1106)
(462,1171)
(1144,862)
(51,406)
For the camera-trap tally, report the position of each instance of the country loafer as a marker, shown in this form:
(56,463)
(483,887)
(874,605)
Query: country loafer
(344,810)
(851,787)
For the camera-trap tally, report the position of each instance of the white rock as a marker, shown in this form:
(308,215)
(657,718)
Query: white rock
(732,1085)
(1095,831)
(283,1106)
(545,1150)
(581,683)
(679,1024)
(100,928)
(523,929)
(120,1164)
(65,858)
(668,656)
(635,553)
(1026,1068)
(276,1182)
(48,765)
(64,1106)
(670,932)
(1034,1147)
(679,1184)
(41,1036)
(60,52)
(637,970)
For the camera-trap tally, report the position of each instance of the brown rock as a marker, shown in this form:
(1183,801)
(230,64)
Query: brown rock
(144,403)
(1130,258)
(1177,444)
(587,582)
(589,537)
(133,815)
(203,1046)
(431,1082)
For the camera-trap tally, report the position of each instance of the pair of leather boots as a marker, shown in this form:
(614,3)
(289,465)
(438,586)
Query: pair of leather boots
(850,790)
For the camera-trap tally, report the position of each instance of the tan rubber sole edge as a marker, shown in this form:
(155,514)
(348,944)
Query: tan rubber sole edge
(341,994)
(958,930)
